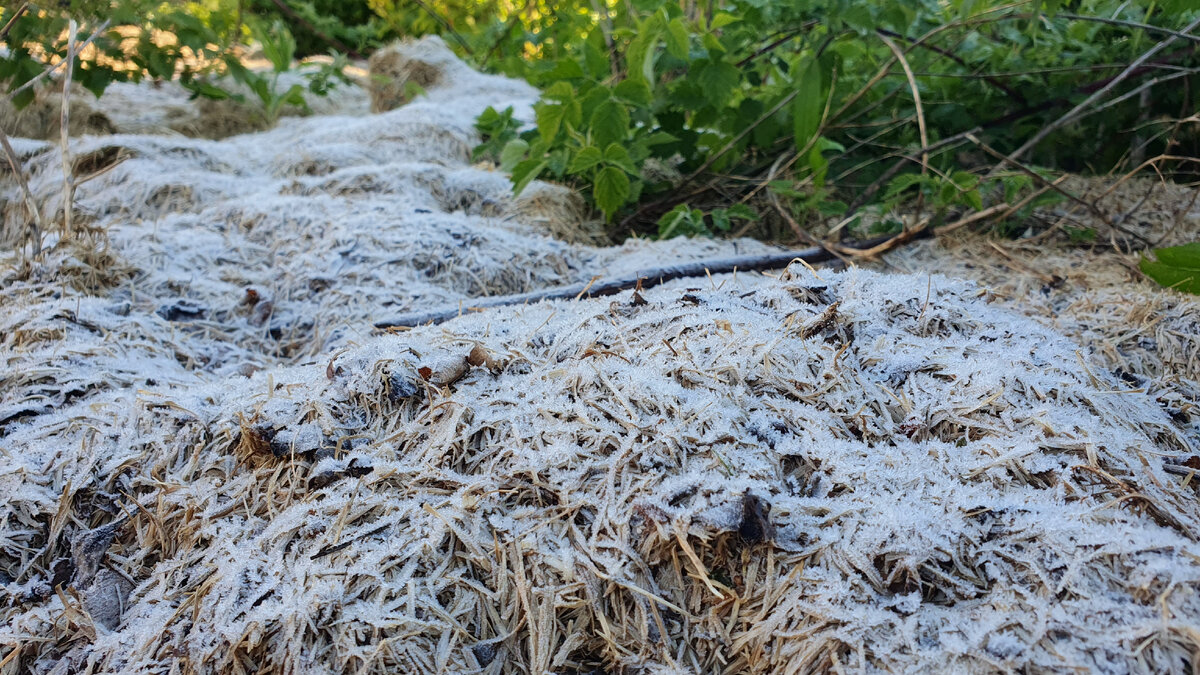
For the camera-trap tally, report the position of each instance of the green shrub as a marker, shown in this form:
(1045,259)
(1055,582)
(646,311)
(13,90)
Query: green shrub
(724,91)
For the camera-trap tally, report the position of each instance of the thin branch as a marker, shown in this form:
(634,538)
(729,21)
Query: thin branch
(921,230)
(1137,90)
(1090,206)
(36,225)
(13,20)
(912,83)
(871,189)
(1103,91)
(65,134)
(46,73)
(1133,24)
(1016,95)
(738,139)
(774,45)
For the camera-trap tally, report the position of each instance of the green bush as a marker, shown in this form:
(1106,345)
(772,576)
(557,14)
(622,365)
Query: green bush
(657,97)
(659,110)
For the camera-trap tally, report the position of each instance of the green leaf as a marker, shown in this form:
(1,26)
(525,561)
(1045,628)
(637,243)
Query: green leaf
(677,39)
(512,154)
(611,190)
(681,220)
(295,96)
(743,211)
(565,69)
(559,91)
(634,90)
(718,81)
(819,166)
(488,119)
(23,98)
(609,123)
(1177,267)
(525,172)
(723,19)
(712,43)
(640,56)
(901,183)
(595,56)
(618,156)
(586,159)
(278,45)
(658,138)
(413,90)
(549,119)
(808,106)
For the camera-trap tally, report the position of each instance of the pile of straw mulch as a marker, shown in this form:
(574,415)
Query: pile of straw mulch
(856,471)
(211,463)
(1074,272)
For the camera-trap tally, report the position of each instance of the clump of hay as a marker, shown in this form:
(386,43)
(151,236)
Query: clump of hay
(558,209)
(1090,288)
(393,71)
(166,107)
(42,118)
(860,470)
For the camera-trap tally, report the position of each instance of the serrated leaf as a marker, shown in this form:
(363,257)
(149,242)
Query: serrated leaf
(487,119)
(641,55)
(718,80)
(549,119)
(974,199)
(618,156)
(611,190)
(658,138)
(585,159)
(609,123)
(677,39)
(634,90)
(565,69)
(712,43)
(744,211)
(1177,267)
(723,19)
(559,91)
(512,154)
(595,57)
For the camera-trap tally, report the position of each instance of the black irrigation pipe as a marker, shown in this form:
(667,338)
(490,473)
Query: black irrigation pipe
(646,279)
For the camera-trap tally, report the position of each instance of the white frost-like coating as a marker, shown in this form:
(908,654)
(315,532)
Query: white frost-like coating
(227,470)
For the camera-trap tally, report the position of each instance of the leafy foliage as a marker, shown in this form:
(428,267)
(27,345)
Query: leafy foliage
(1177,267)
(142,39)
(660,110)
(149,39)
(694,93)
(321,25)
